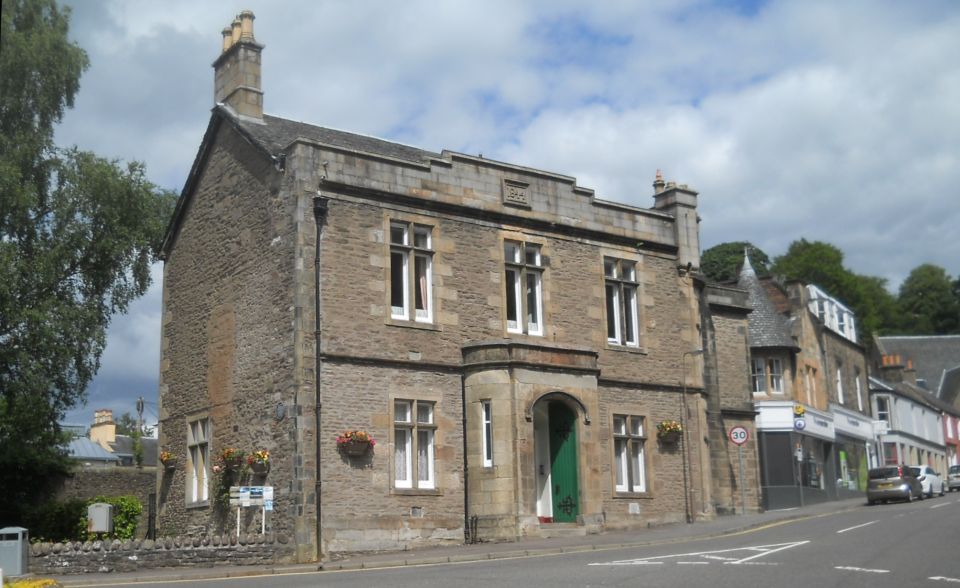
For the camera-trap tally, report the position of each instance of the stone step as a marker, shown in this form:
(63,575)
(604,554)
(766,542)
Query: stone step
(548,530)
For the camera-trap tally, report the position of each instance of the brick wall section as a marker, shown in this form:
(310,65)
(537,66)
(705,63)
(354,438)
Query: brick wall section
(86,483)
(226,344)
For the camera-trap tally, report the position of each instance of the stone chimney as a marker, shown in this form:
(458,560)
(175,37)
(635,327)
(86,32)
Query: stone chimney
(236,75)
(681,203)
(893,370)
(104,430)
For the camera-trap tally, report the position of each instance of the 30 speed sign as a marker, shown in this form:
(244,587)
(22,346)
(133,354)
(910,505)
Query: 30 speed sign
(739,435)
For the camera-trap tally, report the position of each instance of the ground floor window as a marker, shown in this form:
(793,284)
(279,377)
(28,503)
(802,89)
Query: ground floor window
(198,451)
(414,440)
(629,437)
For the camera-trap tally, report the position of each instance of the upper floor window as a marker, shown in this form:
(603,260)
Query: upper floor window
(859,390)
(523,268)
(411,272)
(840,397)
(883,409)
(621,292)
(776,375)
(414,437)
(198,452)
(628,446)
(758,375)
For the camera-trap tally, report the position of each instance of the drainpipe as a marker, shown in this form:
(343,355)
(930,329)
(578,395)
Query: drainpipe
(466,469)
(319,215)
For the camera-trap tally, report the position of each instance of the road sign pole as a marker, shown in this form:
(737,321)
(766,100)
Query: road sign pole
(743,484)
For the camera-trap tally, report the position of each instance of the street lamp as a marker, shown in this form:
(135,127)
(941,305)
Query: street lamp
(683,425)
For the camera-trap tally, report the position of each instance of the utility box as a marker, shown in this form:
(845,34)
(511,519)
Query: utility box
(100,518)
(14,551)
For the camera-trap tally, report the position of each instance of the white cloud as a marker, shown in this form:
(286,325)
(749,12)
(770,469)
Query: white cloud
(816,119)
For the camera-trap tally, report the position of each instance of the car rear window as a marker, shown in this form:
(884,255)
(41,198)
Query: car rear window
(955,469)
(916,472)
(880,473)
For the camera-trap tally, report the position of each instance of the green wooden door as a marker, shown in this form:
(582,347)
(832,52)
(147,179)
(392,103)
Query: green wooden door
(563,463)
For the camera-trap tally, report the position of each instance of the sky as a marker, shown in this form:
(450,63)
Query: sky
(824,120)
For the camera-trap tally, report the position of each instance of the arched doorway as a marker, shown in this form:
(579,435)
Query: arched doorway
(557,458)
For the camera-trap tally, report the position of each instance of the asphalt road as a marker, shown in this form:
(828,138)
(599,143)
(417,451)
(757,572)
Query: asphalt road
(895,545)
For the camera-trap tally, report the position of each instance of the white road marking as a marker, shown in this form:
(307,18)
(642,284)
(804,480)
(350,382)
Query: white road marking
(944,579)
(939,505)
(868,570)
(762,549)
(857,527)
(693,563)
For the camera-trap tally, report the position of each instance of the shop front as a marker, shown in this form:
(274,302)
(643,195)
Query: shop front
(797,455)
(853,446)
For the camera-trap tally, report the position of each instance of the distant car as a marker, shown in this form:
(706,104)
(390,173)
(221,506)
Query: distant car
(953,478)
(893,483)
(929,479)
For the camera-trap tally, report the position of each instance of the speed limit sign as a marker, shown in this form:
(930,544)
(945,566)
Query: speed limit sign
(739,435)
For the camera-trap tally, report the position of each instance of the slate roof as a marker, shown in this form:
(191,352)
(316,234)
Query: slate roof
(83,449)
(123,448)
(766,326)
(932,356)
(913,392)
(276,133)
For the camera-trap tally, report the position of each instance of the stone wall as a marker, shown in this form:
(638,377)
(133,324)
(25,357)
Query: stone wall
(86,483)
(135,555)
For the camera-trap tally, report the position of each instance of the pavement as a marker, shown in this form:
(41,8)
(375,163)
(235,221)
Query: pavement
(665,534)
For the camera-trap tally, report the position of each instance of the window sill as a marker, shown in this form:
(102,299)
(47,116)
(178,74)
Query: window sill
(392,322)
(625,348)
(416,492)
(200,504)
(632,495)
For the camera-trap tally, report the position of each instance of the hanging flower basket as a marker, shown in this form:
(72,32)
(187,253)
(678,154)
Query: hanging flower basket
(355,443)
(669,432)
(259,462)
(231,458)
(168,460)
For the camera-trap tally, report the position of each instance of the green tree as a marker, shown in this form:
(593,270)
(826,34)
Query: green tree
(721,263)
(821,264)
(928,302)
(127,425)
(77,236)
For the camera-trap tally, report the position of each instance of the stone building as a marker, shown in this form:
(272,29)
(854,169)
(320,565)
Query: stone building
(510,341)
(808,376)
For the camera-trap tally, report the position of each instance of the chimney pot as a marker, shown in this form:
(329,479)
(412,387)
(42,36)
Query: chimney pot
(235,29)
(246,24)
(227,38)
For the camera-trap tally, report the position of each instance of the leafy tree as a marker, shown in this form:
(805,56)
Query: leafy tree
(721,263)
(821,264)
(127,425)
(928,302)
(77,236)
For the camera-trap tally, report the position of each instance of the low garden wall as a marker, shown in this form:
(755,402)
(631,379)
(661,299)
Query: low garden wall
(134,555)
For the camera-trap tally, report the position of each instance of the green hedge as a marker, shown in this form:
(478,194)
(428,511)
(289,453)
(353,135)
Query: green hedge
(67,520)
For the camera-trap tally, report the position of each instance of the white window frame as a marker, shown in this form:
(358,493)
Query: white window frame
(859,391)
(198,458)
(620,297)
(414,444)
(523,281)
(629,448)
(775,369)
(486,419)
(420,250)
(758,376)
(886,402)
(840,396)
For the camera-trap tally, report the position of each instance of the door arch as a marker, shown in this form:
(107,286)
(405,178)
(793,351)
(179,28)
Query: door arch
(557,460)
